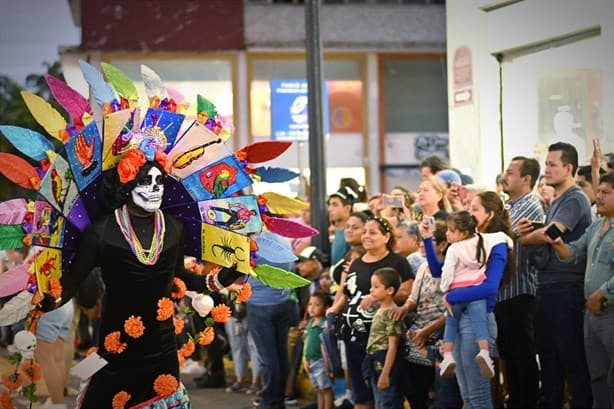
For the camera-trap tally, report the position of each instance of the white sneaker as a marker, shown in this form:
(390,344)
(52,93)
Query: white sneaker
(191,367)
(487,369)
(447,366)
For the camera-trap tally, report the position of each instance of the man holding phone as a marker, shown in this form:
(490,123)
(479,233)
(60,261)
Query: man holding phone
(559,315)
(515,306)
(596,247)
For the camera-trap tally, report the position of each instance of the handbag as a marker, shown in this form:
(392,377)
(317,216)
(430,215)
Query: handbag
(330,351)
(411,352)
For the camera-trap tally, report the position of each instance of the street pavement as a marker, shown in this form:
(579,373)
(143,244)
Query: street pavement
(201,398)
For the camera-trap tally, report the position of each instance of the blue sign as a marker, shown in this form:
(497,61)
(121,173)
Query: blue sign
(289,119)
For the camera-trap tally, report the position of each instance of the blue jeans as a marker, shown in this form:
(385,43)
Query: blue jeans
(268,325)
(253,356)
(599,344)
(476,310)
(356,351)
(474,388)
(236,330)
(559,316)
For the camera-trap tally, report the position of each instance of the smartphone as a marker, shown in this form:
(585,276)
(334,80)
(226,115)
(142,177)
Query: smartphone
(554,232)
(536,224)
(432,225)
(392,200)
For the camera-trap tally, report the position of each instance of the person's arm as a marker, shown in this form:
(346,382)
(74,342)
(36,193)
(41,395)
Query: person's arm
(422,335)
(435,264)
(340,298)
(448,269)
(490,286)
(391,354)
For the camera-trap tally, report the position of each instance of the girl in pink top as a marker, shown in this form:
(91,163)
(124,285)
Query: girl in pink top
(465,266)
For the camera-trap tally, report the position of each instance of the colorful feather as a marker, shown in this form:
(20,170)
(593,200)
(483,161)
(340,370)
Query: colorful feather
(46,115)
(178,97)
(279,278)
(153,83)
(13,211)
(101,91)
(72,101)
(19,171)
(280,204)
(273,250)
(264,151)
(29,142)
(122,83)
(16,309)
(14,280)
(288,228)
(275,175)
(11,236)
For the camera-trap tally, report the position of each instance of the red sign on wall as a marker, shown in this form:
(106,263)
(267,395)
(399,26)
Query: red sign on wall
(155,25)
(462,71)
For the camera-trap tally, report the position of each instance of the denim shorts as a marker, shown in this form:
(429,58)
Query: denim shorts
(317,374)
(55,324)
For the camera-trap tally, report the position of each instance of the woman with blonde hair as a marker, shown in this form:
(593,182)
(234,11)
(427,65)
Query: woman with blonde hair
(433,198)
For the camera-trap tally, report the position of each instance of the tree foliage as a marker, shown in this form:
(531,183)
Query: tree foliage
(13,111)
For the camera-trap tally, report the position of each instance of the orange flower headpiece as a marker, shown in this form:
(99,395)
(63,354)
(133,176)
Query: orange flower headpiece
(150,149)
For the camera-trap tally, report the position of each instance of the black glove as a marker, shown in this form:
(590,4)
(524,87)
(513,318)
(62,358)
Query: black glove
(228,275)
(48,303)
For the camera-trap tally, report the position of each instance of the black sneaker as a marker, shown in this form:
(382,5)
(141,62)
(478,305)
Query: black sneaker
(290,400)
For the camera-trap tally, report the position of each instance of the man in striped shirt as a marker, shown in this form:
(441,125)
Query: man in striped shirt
(515,301)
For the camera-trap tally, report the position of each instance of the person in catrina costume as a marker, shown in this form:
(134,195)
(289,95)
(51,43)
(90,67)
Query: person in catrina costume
(140,252)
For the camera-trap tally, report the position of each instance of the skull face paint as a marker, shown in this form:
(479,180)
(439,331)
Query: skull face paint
(148,192)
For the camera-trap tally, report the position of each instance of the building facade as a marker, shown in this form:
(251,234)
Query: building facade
(384,66)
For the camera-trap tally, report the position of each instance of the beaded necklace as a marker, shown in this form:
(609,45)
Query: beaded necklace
(147,257)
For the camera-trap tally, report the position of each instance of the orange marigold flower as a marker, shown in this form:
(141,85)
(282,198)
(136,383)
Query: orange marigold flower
(120,399)
(179,288)
(253,246)
(55,288)
(206,337)
(187,349)
(113,344)
(241,155)
(180,359)
(27,240)
(134,326)
(36,298)
(179,324)
(245,293)
(130,165)
(197,268)
(165,309)
(136,156)
(32,370)
(91,351)
(166,385)
(221,313)
(5,400)
(13,380)
(261,200)
(163,161)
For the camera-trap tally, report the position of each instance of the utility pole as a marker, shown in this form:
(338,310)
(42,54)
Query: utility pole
(317,157)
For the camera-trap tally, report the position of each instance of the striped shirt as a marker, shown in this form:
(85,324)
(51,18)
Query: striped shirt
(524,279)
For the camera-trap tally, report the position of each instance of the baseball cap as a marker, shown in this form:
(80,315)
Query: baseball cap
(448,177)
(311,253)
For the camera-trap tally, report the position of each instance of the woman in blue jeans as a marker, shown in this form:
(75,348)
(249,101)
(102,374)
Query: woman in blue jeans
(269,311)
(475,389)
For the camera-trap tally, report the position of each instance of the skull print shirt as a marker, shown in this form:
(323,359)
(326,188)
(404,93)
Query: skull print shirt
(358,285)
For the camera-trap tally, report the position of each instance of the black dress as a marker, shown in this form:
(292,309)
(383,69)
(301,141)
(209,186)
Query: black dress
(132,288)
